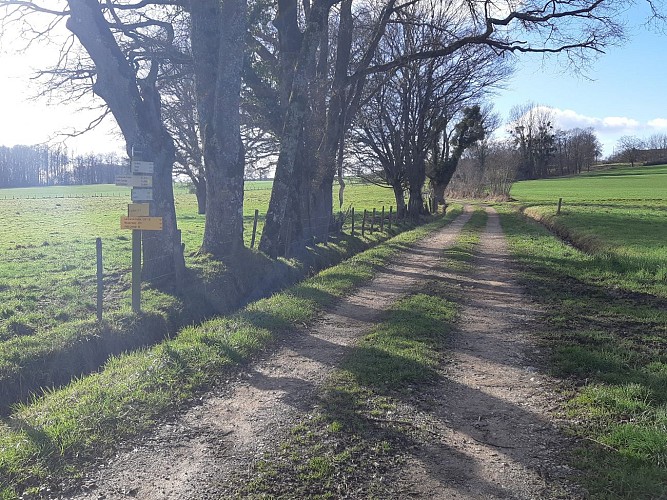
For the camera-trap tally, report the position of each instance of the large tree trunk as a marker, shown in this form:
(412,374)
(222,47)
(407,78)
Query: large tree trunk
(218,31)
(415,203)
(287,215)
(437,194)
(397,186)
(200,193)
(135,104)
(439,183)
(416,174)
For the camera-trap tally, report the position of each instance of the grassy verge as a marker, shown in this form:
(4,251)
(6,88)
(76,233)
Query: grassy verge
(613,346)
(364,424)
(48,328)
(47,438)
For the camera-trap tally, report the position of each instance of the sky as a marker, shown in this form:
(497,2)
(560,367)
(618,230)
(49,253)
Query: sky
(623,92)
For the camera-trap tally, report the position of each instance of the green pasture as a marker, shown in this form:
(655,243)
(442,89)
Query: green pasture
(47,246)
(603,336)
(619,216)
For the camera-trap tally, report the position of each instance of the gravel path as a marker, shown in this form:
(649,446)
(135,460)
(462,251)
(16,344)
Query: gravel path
(231,428)
(492,415)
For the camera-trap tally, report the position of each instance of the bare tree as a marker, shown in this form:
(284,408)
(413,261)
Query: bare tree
(657,142)
(628,148)
(218,41)
(448,148)
(181,119)
(531,126)
(125,45)
(488,169)
(316,81)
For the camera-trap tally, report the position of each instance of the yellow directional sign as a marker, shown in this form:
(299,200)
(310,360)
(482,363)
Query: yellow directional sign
(138,210)
(143,223)
(134,180)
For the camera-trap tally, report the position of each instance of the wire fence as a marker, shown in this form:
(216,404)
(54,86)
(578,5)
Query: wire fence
(360,223)
(63,196)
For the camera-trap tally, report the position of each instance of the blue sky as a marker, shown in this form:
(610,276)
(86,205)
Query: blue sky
(625,93)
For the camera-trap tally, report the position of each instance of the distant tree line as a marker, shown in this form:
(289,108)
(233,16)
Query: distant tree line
(632,149)
(42,165)
(545,151)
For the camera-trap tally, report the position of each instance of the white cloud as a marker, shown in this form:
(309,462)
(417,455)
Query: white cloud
(619,123)
(567,119)
(658,123)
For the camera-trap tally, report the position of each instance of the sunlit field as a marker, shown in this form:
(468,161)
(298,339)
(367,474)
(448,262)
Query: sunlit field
(607,340)
(619,214)
(47,246)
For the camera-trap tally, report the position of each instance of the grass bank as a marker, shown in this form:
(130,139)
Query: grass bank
(52,436)
(612,346)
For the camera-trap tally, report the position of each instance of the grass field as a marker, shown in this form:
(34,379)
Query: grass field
(605,317)
(618,215)
(47,247)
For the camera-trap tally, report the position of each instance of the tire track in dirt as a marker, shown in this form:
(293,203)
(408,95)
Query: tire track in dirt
(495,436)
(232,427)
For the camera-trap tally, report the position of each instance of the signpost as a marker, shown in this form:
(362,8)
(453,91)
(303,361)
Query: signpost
(142,194)
(142,223)
(138,215)
(138,210)
(141,167)
(143,181)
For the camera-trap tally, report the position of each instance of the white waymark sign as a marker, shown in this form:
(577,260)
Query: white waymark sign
(134,180)
(142,194)
(142,167)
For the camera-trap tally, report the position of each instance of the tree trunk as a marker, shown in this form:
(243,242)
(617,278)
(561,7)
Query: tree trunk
(200,193)
(135,104)
(289,206)
(397,186)
(415,202)
(218,32)
(159,247)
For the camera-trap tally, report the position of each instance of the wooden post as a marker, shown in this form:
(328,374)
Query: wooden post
(100,283)
(288,238)
(382,220)
(254,229)
(560,202)
(326,236)
(363,224)
(373,222)
(352,232)
(391,210)
(136,270)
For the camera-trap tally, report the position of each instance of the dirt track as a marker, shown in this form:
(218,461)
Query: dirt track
(493,433)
